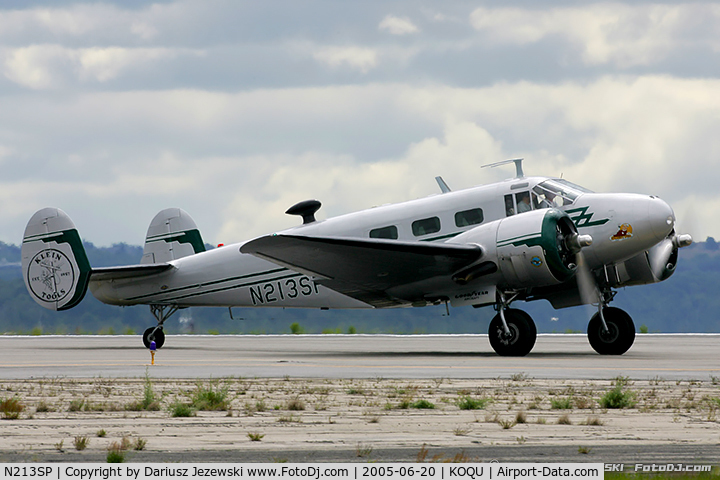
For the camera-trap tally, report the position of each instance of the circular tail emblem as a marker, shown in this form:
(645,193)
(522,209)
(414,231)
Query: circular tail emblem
(51,275)
(536,261)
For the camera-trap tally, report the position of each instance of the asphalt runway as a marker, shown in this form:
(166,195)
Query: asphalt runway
(670,357)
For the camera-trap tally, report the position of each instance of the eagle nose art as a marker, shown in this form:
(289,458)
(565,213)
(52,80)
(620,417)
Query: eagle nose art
(661,217)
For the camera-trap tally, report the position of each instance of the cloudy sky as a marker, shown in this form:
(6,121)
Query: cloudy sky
(235,110)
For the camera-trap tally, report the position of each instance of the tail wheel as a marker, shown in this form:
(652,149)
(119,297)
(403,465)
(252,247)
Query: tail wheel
(620,335)
(521,338)
(154,334)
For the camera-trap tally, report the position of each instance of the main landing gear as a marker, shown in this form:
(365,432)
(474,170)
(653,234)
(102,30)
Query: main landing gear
(611,331)
(156,334)
(512,332)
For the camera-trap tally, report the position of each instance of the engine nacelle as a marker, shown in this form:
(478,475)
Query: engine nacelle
(654,265)
(532,249)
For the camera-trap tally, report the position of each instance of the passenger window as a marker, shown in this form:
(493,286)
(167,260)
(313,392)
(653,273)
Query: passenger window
(426,226)
(390,232)
(469,217)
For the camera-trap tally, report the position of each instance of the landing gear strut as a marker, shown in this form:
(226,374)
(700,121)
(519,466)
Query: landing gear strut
(512,332)
(156,334)
(611,331)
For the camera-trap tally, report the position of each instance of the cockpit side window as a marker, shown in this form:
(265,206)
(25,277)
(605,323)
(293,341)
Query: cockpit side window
(557,193)
(509,206)
(522,199)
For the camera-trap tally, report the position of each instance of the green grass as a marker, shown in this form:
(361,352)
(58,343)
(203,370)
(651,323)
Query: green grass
(422,404)
(619,396)
(211,396)
(561,403)
(469,403)
(81,443)
(115,456)
(149,401)
(117,451)
(11,408)
(179,409)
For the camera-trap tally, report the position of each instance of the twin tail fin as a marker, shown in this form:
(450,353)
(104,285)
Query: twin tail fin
(54,264)
(172,234)
(56,268)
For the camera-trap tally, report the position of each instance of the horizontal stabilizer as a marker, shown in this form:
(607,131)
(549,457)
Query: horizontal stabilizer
(130,271)
(364,269)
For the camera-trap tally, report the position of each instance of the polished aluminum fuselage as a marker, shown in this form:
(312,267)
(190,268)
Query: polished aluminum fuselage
(226,277)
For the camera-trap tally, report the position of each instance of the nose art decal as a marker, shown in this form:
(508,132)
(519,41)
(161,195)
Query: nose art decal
(624,232)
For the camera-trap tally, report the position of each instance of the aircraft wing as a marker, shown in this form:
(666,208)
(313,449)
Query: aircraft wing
(131,271)
(365,269)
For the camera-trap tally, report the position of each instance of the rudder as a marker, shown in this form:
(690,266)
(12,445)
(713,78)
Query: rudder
(172,234)
(55,267)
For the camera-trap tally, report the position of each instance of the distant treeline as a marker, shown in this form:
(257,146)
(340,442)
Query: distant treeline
(687,302)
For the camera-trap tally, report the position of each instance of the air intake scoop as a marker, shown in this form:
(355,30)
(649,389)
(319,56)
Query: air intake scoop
(306,209)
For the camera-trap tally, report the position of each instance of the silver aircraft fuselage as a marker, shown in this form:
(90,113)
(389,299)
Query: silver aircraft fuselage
(622,226)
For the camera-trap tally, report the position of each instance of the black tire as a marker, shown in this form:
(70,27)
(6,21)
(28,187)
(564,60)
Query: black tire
(522,334)
(154,333)
(620,335)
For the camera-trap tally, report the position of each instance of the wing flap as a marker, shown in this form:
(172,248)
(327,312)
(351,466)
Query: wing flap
(366,269)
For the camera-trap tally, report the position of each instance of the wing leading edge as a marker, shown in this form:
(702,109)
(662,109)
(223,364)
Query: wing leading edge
(370,270)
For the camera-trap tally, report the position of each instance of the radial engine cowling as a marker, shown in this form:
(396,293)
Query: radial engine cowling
(654,265)
(532,249)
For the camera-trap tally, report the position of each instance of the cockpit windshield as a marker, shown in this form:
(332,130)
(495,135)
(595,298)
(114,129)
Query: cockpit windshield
(557,193)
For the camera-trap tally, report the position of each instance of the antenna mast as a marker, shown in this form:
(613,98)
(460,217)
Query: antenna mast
(518,166)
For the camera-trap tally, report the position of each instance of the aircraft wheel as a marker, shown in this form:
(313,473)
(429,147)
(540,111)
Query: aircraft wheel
(620,335)
(158,336)
(522,334)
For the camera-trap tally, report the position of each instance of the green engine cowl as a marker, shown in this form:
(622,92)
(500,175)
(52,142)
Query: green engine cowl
(532,249)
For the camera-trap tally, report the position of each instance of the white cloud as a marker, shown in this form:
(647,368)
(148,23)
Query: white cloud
(621,34)
(52,66)
(356,58)
(71,21)
(236,161)
(398,25)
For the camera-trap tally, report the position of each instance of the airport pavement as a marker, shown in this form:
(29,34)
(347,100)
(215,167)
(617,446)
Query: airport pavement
(671,357)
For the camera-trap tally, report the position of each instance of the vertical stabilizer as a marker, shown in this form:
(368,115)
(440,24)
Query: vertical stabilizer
(54,264)
(172,234)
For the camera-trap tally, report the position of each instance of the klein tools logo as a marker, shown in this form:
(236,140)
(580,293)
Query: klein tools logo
(51,275)
(625,231)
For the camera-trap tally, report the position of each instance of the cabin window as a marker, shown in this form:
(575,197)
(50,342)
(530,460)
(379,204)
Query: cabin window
(390,232)
(469,217)
(426,226)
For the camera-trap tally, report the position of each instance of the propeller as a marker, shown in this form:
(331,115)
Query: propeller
(587,287)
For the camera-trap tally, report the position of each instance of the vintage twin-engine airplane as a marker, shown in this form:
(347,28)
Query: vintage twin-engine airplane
(527,238)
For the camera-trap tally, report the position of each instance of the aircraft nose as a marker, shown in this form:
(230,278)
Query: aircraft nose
(661,217)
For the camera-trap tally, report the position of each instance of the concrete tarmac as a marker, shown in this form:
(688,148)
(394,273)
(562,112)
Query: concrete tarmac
(666,356)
